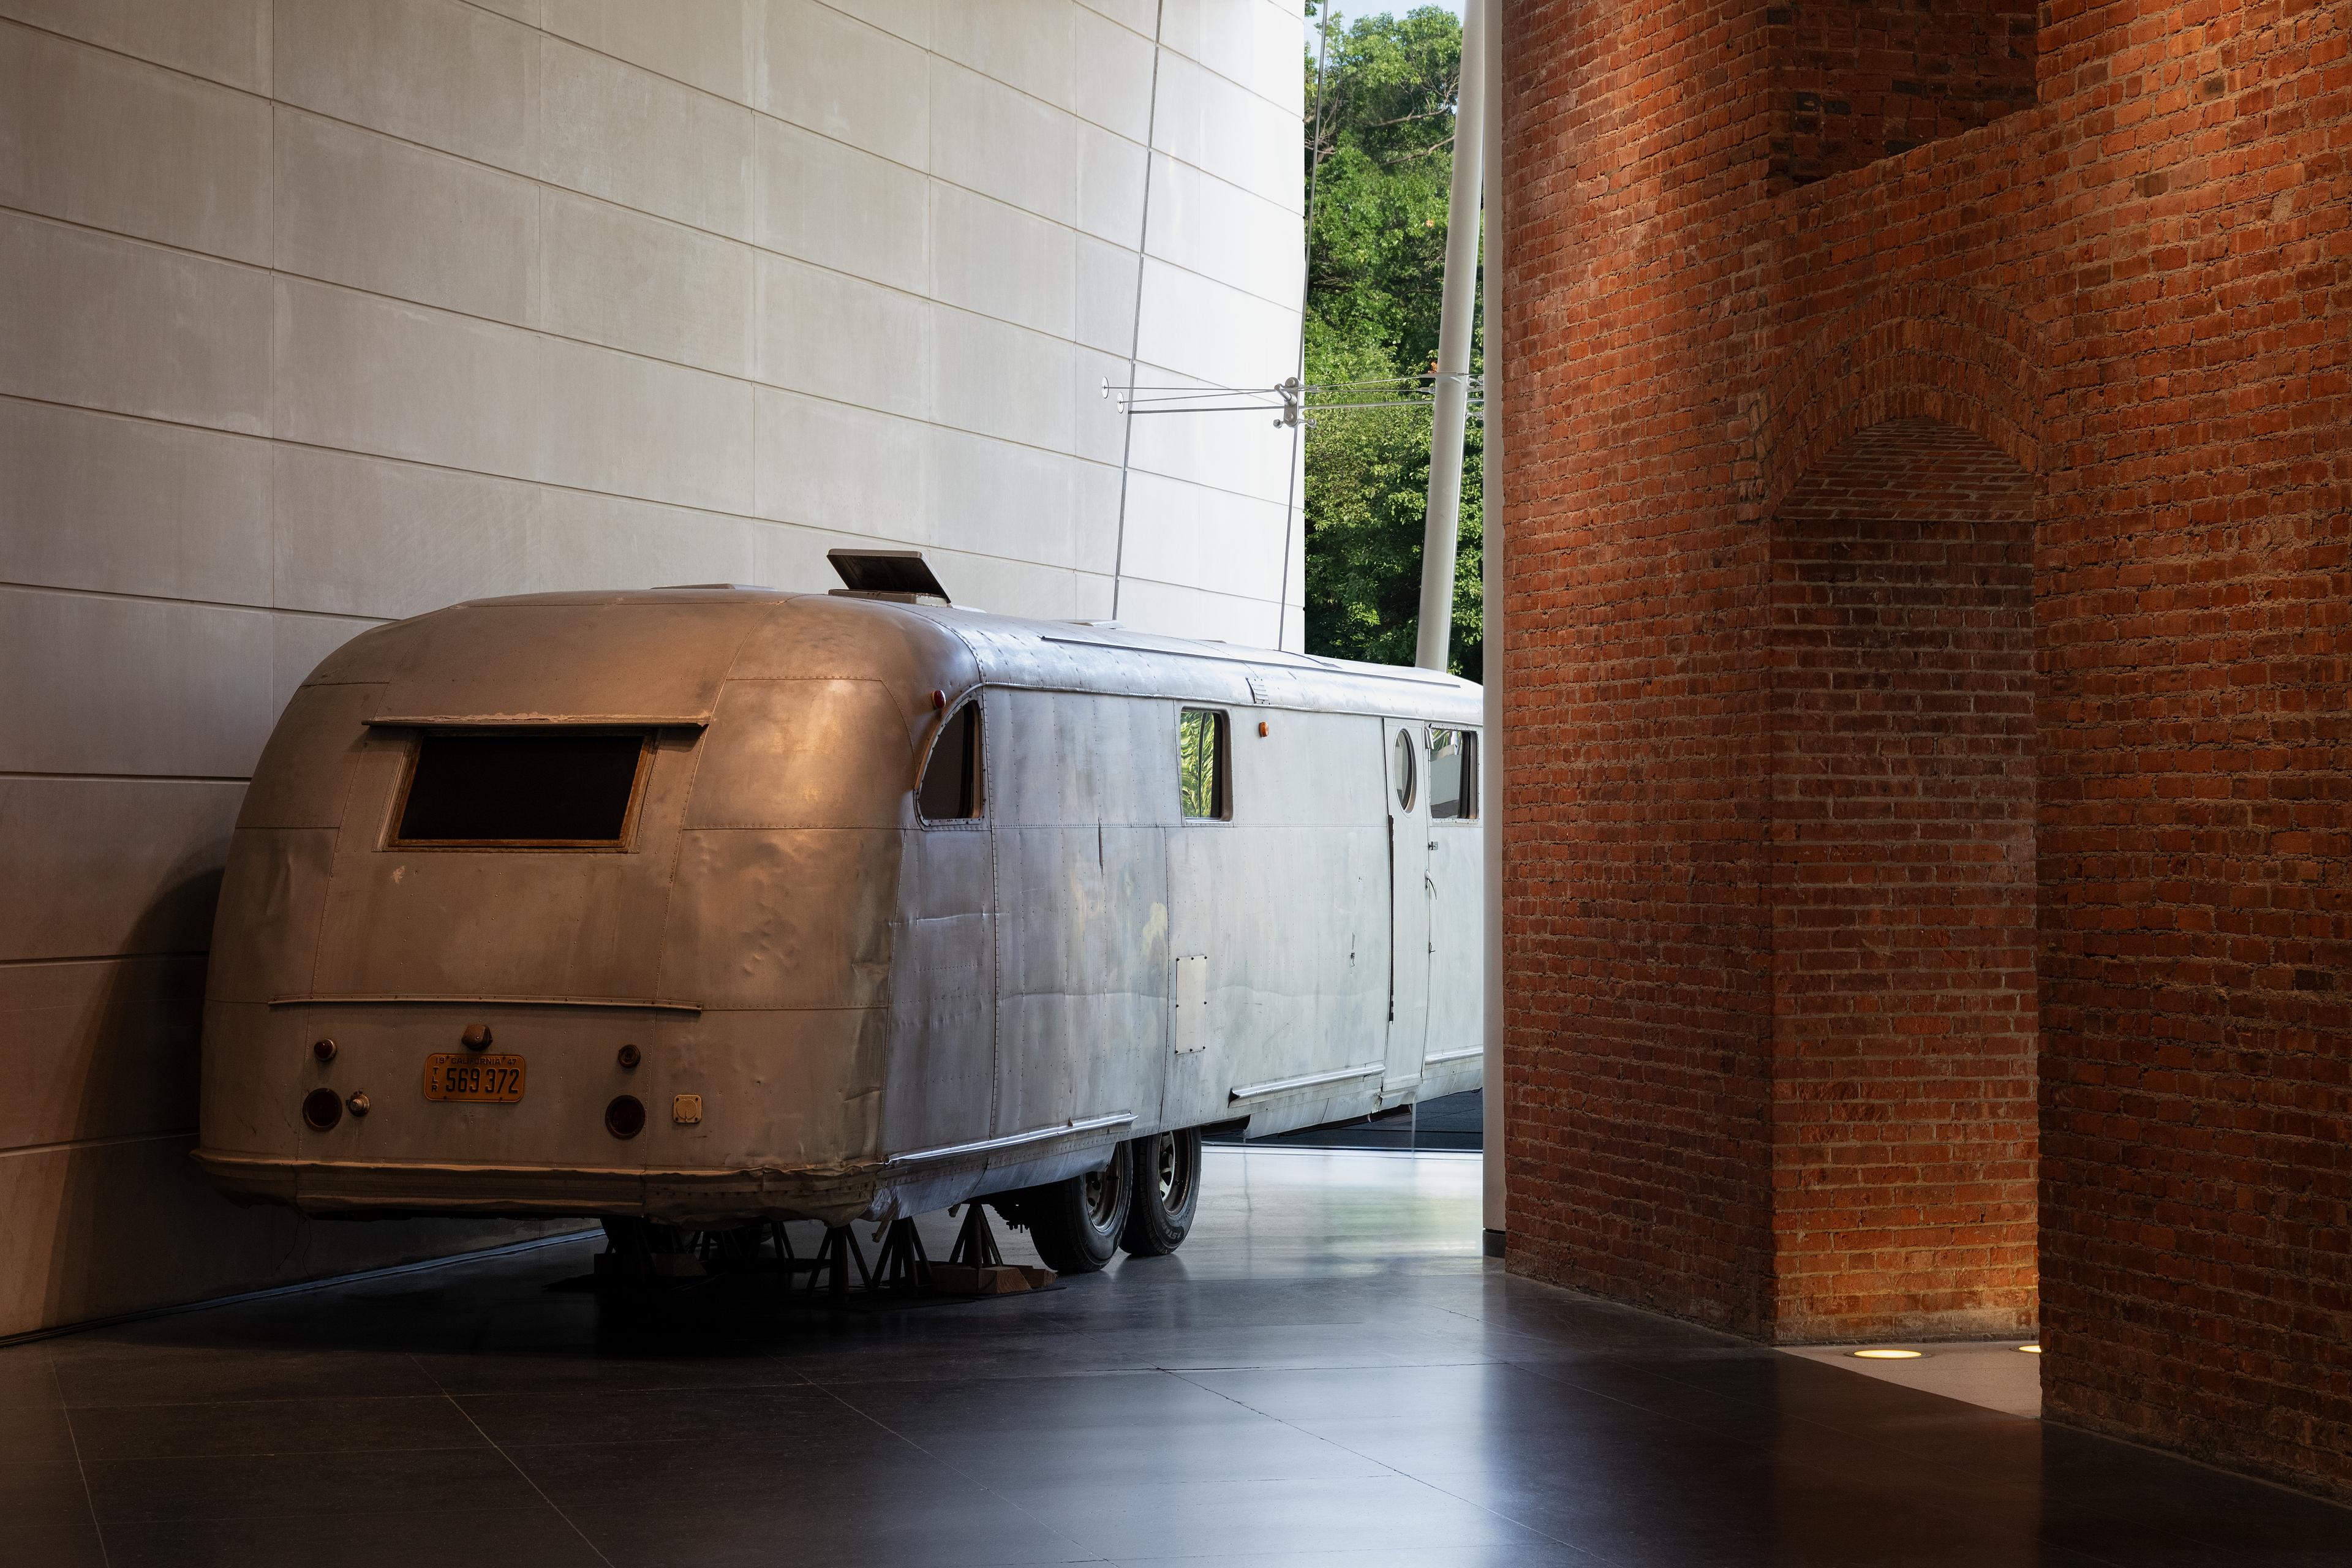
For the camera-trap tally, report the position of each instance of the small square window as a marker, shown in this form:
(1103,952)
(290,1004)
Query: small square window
(1201,763)
(1452,774)
(952,779)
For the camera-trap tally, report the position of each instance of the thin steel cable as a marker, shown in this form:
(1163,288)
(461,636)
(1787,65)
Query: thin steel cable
(1135,334)
(1292,502)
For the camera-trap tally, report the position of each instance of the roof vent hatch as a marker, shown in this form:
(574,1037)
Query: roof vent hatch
(901,577)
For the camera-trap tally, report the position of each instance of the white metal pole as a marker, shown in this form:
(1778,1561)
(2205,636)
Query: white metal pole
(1442,520)
(1490,782)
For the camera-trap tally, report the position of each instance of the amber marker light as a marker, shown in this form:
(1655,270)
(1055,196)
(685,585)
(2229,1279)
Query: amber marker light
(1888,1356)
(2030,1349)
(626,1117)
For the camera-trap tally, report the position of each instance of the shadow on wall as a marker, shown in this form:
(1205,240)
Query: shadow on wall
(131,1222)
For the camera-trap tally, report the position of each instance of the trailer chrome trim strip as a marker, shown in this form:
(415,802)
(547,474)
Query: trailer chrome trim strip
(1259,661)
(1312,1080)
(1448,1058)
(1013,1139)
(647,1003)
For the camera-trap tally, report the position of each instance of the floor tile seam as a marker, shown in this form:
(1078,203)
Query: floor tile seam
(88,1498)
(1407,1475)
(177,1522)
(1956,1471)
(305,1452)
(527,1479)
(288,1399)
(2037,1535)
(965,1475)
(1895,1444)
(2210,1468)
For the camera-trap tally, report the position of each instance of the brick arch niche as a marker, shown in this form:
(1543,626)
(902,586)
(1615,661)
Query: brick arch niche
(1901,864)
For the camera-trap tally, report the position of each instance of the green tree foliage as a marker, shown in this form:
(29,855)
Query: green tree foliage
(1379,170)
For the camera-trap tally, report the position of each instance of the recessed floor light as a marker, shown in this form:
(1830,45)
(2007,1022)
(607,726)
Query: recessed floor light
(2031,1349)
(1888,1356)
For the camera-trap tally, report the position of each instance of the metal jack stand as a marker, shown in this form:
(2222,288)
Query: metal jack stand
(902,1267)
(833,1260)
(975,1244)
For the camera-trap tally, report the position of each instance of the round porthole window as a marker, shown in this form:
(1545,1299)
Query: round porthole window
(1404,770)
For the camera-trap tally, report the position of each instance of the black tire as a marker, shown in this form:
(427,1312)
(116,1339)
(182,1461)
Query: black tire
(1167,1193)
(1075,1224)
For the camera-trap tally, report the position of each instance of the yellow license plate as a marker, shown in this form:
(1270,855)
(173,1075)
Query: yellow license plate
(492,1080)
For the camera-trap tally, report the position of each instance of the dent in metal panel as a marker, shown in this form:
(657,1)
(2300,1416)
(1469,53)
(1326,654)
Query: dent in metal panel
(273,895)
(1069,759)
(803,753)
(497,922)
(817,637)
(941,1065)
(305,773)
(527,659)
(781,917)
(1082,973)
(374,655)
(1297,919)
(1313,769)
(252,1096)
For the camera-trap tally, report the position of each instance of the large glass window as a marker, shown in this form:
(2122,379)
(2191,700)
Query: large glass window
(542,789)
(952,779)
(1452,772)
(1201,763)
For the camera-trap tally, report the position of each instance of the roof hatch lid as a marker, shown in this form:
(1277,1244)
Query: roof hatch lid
(901,575)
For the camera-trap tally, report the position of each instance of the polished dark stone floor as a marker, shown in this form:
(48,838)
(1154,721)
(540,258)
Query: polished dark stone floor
(1328,1374)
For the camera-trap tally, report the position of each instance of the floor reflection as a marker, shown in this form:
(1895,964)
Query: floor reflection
(1328,1374)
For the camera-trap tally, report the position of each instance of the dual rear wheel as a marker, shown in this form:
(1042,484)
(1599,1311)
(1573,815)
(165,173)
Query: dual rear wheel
(1143,1201)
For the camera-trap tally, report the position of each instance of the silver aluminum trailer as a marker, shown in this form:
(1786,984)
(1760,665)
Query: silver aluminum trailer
(717,905)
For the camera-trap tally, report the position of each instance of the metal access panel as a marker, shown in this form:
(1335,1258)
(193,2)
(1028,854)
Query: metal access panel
(1189,1029)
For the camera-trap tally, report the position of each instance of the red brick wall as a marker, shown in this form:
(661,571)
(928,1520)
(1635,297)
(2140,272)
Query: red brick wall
(2141,291)
(1857,80)
(1641,1006)
(1902,891)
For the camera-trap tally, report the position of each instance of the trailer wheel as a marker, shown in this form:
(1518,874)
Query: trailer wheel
(1167,1193)
(1075,1224)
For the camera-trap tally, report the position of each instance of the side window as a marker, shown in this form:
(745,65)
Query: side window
(1203,764)
(1452,772)
(951,788)
(1403,768)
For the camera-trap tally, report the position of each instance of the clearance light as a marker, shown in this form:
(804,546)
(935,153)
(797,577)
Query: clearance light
(2031,1349)
(1888,1356)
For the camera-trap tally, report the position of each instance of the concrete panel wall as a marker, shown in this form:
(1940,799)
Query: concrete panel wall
(315,313)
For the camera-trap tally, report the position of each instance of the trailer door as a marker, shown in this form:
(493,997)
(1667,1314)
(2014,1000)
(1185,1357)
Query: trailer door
(1409,898)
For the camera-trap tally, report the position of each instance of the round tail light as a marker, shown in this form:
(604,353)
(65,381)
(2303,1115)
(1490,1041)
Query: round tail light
(626,1117)
(322,1107)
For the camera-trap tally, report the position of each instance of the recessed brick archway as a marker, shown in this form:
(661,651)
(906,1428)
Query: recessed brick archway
(2135,286)
(1902,889)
